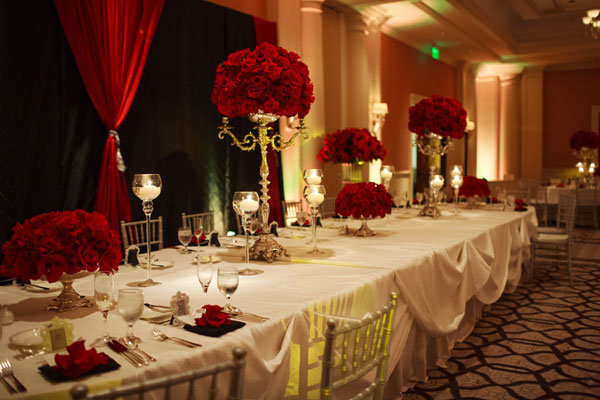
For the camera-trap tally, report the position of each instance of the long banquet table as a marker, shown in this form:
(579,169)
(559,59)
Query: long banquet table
(444,271)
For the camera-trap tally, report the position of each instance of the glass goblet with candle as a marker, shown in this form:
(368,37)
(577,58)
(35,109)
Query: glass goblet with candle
(387,172)
(314,195)
(313,176)
(245,204)
(147,187)
(436,182)
(456,170)
(456,183)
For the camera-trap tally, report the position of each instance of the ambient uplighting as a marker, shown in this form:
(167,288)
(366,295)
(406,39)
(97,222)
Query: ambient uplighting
(592,23)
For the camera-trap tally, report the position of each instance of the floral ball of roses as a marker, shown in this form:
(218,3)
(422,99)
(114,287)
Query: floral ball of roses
(363,200)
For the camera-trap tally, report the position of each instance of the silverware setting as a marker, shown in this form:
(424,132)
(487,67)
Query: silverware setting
(161,337)
(133,358)
(6,370)
(239,314)
(137,349)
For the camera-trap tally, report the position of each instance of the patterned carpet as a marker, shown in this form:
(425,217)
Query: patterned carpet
(541,342)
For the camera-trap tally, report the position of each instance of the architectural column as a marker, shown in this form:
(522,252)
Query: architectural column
(532,103)
(510,128)
(488,121)
(465,150)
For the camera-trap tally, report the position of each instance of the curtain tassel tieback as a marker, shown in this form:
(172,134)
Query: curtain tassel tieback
(120,161)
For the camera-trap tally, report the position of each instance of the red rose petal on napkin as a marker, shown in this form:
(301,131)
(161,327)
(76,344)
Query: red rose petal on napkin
(213,316)
(79,360)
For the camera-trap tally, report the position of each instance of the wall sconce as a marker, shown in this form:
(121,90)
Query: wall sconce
(470,125)
(378,113)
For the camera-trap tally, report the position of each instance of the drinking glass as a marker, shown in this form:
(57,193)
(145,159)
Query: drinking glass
(419,197)
(104,286)
(198,232)
(314,195)
(147,187)
(245,204)
(204,271)
(301,218)
(228,281)
(131,306)
(185,236)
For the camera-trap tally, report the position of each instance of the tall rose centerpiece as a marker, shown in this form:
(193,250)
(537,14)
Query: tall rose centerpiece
(351,147)
(437,122)
(363,201)
(474,188)
(585,146)
(60,246)
(263,84)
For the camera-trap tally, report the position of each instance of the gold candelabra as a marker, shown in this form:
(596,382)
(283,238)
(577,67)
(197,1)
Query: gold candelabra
(266,247)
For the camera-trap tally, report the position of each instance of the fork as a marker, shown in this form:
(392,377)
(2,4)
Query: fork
(8,371)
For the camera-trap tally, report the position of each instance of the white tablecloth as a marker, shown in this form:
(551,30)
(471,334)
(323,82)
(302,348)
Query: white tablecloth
(443,270)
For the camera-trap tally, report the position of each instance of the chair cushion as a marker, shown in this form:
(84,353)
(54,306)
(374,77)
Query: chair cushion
(551,238)
(551,229)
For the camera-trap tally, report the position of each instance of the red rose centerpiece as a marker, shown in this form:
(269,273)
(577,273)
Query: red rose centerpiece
(585,146)
(474,188)
(351,145)
(56,246)
(364,201)
(263,84)
(584,139)
(213,316)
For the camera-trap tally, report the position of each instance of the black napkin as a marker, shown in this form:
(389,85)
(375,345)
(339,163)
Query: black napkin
(521,209)
(132,253)
(54,375)
(4,280)
(273,228)
(338,217)
(214,331)
(214,239)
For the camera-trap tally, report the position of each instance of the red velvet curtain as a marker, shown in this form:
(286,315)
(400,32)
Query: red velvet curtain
(110,41)
(266,31)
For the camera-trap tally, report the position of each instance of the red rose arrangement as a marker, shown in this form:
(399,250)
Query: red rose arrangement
(351,145)
(473,186)
(443,116)
(519,205)
(61,242)
(363,200)
(268,78)
(584,138)
(213,316)
(79,361)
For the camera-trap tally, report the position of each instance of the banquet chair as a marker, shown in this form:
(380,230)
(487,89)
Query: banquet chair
(365,346)
(290,208)
(327,207)
(135,233)
(204,221)
(587,204)
(236,379)
(556,245)
(539,199)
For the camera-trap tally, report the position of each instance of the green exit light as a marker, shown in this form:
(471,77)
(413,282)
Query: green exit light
(435,53)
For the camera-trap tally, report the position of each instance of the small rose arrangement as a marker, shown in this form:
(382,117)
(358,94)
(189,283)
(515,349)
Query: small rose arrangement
(268,78)
(54,243)
(351,145)
(443,116)
(583,138)
(213,316)
(363,200)
(473,186)
(519,205)
(79,361)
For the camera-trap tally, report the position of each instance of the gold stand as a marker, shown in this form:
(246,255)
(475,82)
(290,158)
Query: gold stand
(431,145)
(266,247)
(68,299)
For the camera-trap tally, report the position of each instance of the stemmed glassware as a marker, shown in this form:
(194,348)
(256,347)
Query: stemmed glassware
(227,282)
(104,286)
(147,187)
(131,306)
(245,205)
(313,176)
(204,272)
(387,172)
(184,234)
(436,182)
(198,233)
(456,182)
(420,198)
(314,195)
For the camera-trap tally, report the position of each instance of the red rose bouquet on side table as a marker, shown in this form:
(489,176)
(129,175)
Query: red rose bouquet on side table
(351,145)
(56,245)
(473,187)
(363,200)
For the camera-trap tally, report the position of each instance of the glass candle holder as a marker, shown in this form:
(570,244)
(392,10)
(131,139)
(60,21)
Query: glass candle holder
(313,176)
(314,195)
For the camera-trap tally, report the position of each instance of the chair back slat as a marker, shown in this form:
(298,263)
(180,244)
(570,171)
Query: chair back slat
(134,233)
(290,208)
(235,365)
(370,343)
(566,211)
(206,220)
(327,207)
(191,394)
(213,387)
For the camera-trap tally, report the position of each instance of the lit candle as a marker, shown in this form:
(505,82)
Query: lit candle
(456,170)
(149,192)
(313,179)
(437,182)
(249,205)
(386,174)
(457,180)
(315,198)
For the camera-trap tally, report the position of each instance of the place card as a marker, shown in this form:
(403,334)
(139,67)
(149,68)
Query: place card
(57,334)
(213,239)
(180,304)
(131,257)
(273,228)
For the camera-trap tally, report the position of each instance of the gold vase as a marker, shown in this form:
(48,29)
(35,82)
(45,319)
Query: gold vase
(69,299)
(364,229)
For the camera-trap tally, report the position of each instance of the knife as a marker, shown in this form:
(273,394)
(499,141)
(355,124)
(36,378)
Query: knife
(122,350)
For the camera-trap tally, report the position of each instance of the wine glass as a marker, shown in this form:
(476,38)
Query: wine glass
(184,234)
(198,232)
(301,218)
(227,281)
(314,195)
(419,197)
(131,306)
(204,271)
(245,204)
(147,187)
(104,286)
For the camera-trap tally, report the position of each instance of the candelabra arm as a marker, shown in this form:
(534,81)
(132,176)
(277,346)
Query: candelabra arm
(277,140)
(248,143)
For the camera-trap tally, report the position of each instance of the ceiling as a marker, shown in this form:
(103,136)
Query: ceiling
(545,33)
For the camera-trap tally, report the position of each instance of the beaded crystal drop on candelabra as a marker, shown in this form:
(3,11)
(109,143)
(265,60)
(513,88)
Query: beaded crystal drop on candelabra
(266,247)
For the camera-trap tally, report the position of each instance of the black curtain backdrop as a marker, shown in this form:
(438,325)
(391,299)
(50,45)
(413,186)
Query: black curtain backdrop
(52,138)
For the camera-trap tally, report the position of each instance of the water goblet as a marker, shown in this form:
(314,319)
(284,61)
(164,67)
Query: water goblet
(204,272)
(184,234)
(104,286)
(227,282)
(131,306)
(147,187)
(419,197)
(198,233)
(245,204)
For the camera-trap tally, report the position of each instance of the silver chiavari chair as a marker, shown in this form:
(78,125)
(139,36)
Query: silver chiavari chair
(328,207)
(587,204)
(290,208)
(204,221)
(135,233)
(365,345)
(235,365)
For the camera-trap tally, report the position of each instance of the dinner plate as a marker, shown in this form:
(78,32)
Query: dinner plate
(155,316)
(29,341)
(52,287)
